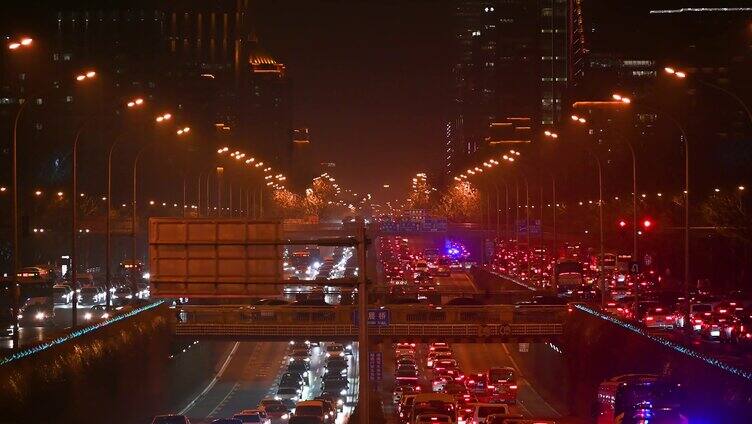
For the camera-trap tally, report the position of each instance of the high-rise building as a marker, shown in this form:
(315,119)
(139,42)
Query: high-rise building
(196,56)
(510,63)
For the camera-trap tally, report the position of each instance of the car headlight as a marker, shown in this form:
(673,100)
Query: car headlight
(40,316)
(328,354)
(277,397)
(285,416)
(105,315)
(87,315)
(307,359)
(343,392)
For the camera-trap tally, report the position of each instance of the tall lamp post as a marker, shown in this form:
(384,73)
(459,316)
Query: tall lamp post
(599,168)
(19,45)
(134,212)
(108,225)
(74,210)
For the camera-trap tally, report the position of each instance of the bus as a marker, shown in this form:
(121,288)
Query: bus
(627,397)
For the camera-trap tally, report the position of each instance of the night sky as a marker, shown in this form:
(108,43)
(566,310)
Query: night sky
(369,80)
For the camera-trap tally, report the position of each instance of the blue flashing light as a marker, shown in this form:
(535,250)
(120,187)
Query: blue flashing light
(74,334)
(675,346)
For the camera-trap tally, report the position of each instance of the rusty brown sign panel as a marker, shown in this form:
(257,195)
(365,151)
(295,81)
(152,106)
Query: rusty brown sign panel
(216,258)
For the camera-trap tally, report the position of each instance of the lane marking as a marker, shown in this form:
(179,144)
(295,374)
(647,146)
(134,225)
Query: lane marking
(214,380)
(222,403)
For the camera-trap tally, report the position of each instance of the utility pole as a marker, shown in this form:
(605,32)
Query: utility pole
(363,380)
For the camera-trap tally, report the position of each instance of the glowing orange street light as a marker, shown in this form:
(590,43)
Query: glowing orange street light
(24,42)
(621,98)
(674,72)
(135,102)
(163,117)
(86,75)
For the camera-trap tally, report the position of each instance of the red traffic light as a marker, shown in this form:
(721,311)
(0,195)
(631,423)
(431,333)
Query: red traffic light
(647,223)
(622,223)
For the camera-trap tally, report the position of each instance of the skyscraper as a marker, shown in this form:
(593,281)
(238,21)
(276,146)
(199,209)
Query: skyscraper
(510,62)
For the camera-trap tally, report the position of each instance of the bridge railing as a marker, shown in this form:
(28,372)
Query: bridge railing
(397,314)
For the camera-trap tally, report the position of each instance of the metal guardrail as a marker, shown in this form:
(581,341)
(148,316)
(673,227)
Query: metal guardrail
(350,331)
(489,321)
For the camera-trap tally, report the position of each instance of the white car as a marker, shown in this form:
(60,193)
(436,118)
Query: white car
(483,410)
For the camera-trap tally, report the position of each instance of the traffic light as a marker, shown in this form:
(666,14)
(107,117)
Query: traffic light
(647,224)
(622,223)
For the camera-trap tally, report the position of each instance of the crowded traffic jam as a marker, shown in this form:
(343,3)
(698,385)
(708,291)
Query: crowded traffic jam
(430,385)
(642,297)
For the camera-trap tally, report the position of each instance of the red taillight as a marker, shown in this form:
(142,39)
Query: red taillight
(491,387)
(648,318)
(513,387)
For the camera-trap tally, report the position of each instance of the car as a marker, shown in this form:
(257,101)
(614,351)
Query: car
(477,384)
(299,367)
(483,410)
(314,408)
(330,405)
(274,409)
(227,421)
(403,408)
(62,294)
(89,296)
(433,418)
(37,312)
(305,420)
(402,390)
(289,376)
(335,386)
(288,394)
(513,419)
(335,349)
(718,327)
(445,363)
(337,365)
(252,416)
(97,312)
(502,382)
(437,355)
(406,375)
(406,361)
(659,316)
(170,419)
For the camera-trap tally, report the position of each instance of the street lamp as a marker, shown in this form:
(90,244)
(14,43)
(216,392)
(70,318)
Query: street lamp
(22,44)
(599,168)
(682,75)
(74,208)
(135,103)
(17,44)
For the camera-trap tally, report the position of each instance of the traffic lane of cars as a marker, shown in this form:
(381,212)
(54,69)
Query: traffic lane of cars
(228,375)
(480,357)
(259,371)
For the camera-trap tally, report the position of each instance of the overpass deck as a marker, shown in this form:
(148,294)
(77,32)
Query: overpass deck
(422,322)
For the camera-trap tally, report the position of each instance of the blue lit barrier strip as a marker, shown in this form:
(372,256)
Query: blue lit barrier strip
(675,346)
(72,335)
(510,278)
